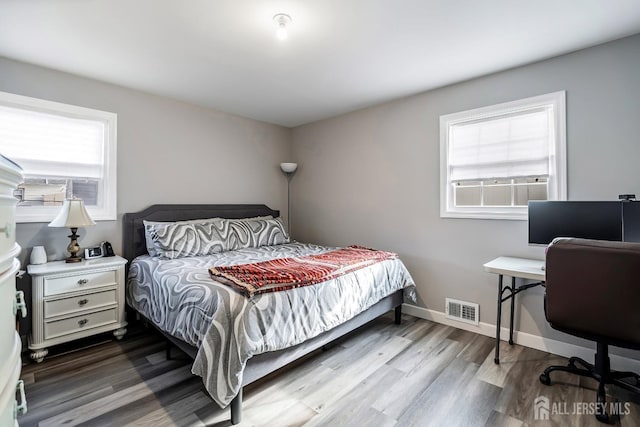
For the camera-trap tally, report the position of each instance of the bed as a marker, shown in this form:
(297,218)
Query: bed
(235,340)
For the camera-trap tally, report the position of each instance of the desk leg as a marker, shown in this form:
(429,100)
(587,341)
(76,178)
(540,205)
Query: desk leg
(496,359)
(513,303)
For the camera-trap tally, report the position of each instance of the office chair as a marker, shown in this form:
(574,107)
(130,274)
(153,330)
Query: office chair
(593,292)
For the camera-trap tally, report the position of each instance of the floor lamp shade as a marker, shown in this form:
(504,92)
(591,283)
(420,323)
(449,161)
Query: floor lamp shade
(73,215)
(288,167)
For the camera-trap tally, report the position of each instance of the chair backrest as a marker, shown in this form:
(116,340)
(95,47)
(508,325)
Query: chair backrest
(593,290)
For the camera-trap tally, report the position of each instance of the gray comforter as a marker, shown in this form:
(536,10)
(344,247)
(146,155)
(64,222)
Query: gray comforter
(179,297)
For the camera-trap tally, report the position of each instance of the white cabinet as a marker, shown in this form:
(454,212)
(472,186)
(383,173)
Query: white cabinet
(75,300)
(11,302)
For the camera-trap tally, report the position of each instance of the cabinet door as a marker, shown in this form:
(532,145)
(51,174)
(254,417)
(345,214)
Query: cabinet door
(9,383)
(7,225)
(7,310)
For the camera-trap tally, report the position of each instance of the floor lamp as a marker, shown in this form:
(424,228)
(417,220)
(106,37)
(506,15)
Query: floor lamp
(289,169)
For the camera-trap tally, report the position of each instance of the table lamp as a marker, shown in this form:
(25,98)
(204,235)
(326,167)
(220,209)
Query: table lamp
(73,215)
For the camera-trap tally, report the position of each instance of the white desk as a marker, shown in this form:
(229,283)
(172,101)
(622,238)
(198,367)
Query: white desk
(515,268)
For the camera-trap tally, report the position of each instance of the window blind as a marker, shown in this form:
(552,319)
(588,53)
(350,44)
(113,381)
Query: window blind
(52,145)
(508,146)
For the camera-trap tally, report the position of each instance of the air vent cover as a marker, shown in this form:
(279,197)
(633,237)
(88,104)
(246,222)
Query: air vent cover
(463,311)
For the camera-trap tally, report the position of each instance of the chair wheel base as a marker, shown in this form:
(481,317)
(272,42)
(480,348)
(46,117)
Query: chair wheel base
(604,418)
(545,379)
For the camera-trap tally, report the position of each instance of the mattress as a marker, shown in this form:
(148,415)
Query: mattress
(180,298)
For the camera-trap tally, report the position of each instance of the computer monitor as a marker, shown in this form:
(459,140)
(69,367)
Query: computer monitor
(631,221)
(587,220)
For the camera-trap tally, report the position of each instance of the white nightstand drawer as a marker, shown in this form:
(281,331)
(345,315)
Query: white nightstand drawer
(58,285)
(79,323)
(78,303)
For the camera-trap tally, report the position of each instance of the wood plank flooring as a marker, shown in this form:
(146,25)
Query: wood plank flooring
(416,374)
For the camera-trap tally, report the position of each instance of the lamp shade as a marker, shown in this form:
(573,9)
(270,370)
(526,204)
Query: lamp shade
(288,167)
(72,215)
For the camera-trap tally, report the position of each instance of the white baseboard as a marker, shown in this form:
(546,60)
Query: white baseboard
(560,348)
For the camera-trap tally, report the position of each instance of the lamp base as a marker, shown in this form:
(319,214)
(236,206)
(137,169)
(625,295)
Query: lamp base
(73,247)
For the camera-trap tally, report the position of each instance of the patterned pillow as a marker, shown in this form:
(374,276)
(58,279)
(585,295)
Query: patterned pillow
(204,237)
(153,227)
(177,240)
(253,233)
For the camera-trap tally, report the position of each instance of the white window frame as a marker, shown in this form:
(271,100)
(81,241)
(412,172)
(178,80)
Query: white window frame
(107,211)
(557,189)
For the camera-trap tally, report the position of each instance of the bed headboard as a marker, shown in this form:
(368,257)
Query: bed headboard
(133,241)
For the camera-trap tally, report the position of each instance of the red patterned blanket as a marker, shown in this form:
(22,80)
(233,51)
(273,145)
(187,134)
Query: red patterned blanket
(287,273)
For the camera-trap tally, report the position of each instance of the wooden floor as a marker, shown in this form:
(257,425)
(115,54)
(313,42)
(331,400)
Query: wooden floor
(419,373)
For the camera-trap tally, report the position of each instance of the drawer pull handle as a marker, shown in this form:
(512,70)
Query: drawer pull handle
(83,282)
(6,230)
(82,322)
(20,304)
(20,408)
(83,302)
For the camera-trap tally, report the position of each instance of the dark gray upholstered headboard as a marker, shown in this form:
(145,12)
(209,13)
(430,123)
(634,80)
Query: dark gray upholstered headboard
(133,241)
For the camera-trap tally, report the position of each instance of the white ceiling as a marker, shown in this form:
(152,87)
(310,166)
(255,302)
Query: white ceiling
(341,55)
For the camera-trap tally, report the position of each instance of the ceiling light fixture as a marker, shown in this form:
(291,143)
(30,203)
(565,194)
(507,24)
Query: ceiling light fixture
(281,20)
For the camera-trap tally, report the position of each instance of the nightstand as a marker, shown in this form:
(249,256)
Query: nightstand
(75,300)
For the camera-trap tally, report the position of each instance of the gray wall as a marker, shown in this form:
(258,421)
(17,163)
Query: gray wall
(369,177)
(372,177)
(168,152)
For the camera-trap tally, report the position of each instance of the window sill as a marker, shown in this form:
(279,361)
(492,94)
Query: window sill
(49,213)
(517,214)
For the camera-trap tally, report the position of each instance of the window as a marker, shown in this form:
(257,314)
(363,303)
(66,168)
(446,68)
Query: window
(65,151)
(493,160)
